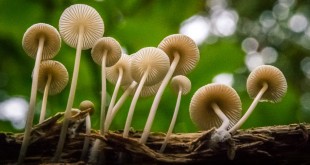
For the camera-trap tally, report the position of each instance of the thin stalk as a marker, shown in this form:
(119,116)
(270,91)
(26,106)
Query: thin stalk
(86,140)
(112,102)
(67,115)
(250,110)
(222,116)
(149,122)
(103,92)
(33,95)
(133,103)
(174,118)
(44,101)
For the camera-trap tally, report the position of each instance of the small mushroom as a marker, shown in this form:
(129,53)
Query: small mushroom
(184,55)
(53,78)
(265,83)
(148,66)
(106,52)
(118,74)
(80,26)
(87,105)
(181,85)
(215,105)
(41,42)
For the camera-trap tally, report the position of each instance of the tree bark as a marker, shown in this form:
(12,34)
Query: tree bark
(284,144)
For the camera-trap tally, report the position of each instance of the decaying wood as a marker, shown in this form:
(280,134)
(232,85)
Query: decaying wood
(285,144)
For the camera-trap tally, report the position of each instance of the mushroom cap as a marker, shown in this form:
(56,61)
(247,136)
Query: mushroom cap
(151,57)
(111,46)
(185,47)
(113,71)
(80,15)
(271,75)
(59,75)
(52,40)
(201,111)
(181,82)
(86,104)
(146,91)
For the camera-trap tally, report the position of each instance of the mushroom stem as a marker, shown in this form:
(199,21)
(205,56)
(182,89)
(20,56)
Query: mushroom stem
(149,122)
(44,101)
(174,118)
(222,116)
(30,114)
(103,92)
(112,102)
(133,103)
(251,108)
(86,140)
(67,115)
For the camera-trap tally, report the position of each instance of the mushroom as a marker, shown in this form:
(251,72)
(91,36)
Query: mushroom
(87,105)
(41,42)
(265,83)
(80,26)
(53,78)
(118,74)
(184,55)
(149,66)
(215,105)
(181,85)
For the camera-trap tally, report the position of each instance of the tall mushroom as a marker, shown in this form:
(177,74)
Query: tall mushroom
(184,55)
(41,42)
(181,85)
(80,27)
(53,78)
(215,105)
(148,66)
(106,52)
(265,83)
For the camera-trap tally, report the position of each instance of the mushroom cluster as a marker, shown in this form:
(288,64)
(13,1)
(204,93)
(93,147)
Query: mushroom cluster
(144,73)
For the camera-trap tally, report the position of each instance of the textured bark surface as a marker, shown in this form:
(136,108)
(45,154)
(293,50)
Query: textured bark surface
(285,144)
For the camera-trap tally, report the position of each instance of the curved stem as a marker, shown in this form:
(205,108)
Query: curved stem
(86,140)
(33,95)
(133,103)
(149,122)
(103,92)
(112,102)
(45,95)
(67,115)
(251,108)
(174,118)
(222,116)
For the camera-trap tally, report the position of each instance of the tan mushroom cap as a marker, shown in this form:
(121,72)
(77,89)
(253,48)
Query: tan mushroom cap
(271,75)
(111,46)
(80,15)
(52,41)
(151,57)
(113,71)
(86,104)
(146,91)
(201,111)
(185,47)
(181,82)
(59,75)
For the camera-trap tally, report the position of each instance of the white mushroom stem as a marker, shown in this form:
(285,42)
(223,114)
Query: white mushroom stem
(67,115)
(120,102)
(149,122)
(251,108)
(103,92)
(44,101)
(133,103)
(86,140)
(112,102)
(30,114)
(174,118)
(222,116)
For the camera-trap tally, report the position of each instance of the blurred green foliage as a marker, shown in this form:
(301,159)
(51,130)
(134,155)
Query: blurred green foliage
(137,24)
